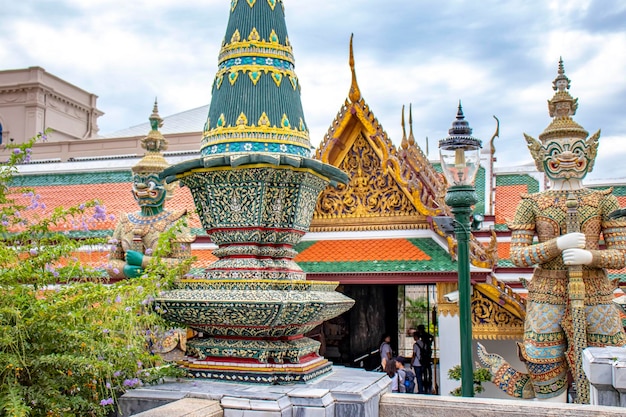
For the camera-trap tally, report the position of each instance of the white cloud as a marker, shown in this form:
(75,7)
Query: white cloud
(497,57)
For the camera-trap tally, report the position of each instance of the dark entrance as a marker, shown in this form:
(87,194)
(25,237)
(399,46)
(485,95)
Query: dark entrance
(351,338)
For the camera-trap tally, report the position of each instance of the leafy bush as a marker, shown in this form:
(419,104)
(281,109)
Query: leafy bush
(70,343)
(480,375)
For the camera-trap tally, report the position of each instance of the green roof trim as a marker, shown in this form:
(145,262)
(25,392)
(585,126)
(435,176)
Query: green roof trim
(80,178)
(518,179)
(618,191)
(302,246)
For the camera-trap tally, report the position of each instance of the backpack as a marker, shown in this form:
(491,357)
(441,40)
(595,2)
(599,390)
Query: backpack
(427,353)
(409,381)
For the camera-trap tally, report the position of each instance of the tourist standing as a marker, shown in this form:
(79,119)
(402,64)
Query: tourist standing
(426,358)
(416,362)
(385,351)
(395,370)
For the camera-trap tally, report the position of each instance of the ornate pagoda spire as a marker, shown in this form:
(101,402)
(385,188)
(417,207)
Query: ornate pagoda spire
(561,108)
(154,144)
(255,105)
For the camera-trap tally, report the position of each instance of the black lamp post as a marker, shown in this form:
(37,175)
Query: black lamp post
(460,159)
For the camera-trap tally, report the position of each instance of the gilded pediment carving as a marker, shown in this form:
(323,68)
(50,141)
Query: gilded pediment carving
(371,194)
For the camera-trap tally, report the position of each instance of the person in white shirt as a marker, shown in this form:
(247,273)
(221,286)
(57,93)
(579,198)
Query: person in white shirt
(395,371)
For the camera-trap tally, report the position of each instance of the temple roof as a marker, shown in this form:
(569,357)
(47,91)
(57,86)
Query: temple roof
(373,255)
(183,122)
(379,195)
(389,188)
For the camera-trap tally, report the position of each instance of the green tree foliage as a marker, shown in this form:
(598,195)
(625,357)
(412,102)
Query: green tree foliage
(70,343)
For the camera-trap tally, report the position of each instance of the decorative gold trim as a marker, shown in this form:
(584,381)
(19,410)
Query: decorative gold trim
(259,48)
(489,319)
(495,332)
(375,222)
(445,307)
(504,297)
(494,315)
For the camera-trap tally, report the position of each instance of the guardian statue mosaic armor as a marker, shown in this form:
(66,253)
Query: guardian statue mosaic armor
(137,234)
(570,297)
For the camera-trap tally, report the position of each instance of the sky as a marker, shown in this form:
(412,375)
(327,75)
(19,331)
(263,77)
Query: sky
(497,57)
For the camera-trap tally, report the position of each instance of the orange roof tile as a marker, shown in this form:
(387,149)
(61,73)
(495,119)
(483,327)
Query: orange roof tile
(115,197)
(507,199)
(361,250)
(504,250)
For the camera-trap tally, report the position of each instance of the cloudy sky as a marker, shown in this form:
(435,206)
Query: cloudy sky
(498,57)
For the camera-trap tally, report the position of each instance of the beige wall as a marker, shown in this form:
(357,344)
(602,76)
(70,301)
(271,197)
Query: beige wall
(72,150)
(32,99)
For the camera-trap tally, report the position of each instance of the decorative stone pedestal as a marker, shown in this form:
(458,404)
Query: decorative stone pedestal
(254,304)
(345,392)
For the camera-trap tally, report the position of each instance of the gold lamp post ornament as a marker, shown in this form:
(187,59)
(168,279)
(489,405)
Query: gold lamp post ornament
(460,159)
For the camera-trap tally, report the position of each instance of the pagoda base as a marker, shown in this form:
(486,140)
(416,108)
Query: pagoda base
(275,351)
(257,373)
(263,361)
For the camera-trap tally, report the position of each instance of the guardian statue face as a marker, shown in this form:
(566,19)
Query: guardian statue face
(565,150)
(148,190)
(567,158)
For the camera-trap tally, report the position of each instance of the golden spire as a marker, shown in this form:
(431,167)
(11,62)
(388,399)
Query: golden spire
(153,161)
(411,137)
(155,120)
(562,106)
(404,142)
(355,94)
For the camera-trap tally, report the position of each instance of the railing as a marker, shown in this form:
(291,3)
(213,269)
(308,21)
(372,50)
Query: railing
(369,358)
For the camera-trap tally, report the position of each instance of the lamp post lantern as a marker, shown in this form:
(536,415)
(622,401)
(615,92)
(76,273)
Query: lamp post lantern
(460,159)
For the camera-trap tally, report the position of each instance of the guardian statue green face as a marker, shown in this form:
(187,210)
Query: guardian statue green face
(148,190)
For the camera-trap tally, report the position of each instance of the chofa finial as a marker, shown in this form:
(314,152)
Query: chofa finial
(355,94)
(404,143)
(411,137)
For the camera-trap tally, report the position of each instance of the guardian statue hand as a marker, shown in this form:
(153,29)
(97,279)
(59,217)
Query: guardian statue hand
(134,258)
(575,256)
(571,240)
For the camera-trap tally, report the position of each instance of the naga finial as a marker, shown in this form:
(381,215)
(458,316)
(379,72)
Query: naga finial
(404,143)
(355,94)
(411,137)
(496,134)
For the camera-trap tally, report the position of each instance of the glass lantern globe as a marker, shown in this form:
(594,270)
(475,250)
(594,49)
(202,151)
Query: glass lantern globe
(460,159)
